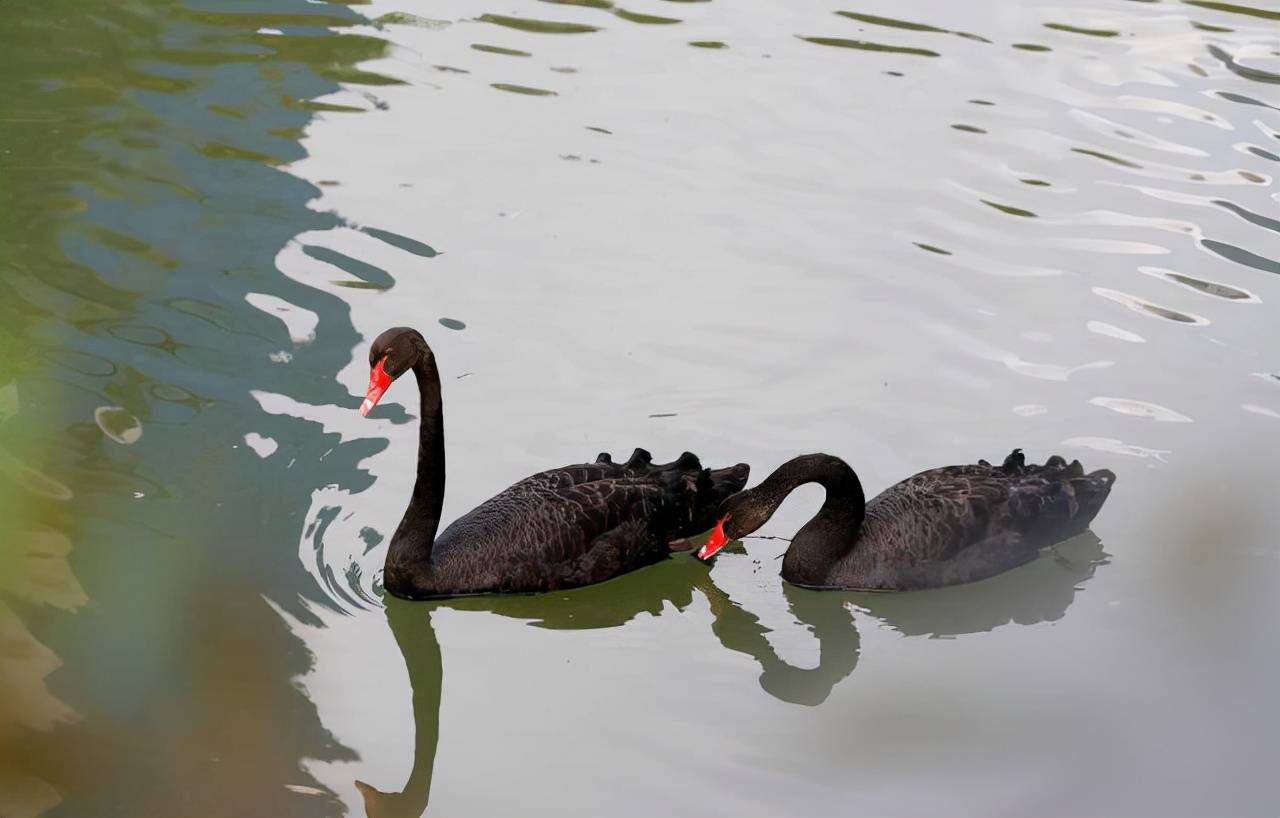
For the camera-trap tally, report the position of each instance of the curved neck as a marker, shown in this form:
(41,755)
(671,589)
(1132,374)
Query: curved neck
(833,530)
(411,545)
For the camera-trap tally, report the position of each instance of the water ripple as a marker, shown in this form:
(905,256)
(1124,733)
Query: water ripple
(1144,307)
(1200,285)
(867,45)
(1113,445)
(1112,331)
(1140,409)
(1015,363)
(1241,256)
(536,26)
(1249,216)
(890,22)
(1260,410)
(1233,8)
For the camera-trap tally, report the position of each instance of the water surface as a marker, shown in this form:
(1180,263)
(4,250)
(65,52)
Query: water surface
(908,235)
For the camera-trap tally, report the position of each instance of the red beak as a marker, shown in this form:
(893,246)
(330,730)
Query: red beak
(379,380)
(715,542)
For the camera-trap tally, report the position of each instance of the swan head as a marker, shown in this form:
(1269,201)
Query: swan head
(740,515)
(392,354)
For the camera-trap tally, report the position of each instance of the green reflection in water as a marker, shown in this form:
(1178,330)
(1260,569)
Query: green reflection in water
(1232,8)
(1255,74)
(1010,209)
(401,242)
(523,89)
(1091,32)
(497,49)
(404,18)
(591,4)
(1040,591)
(1213,288)
(367,273)
(864,45)
(930,248)
(890,22)
(1106,157)
(611,605)
(536,26)
(143,201)
(645,19)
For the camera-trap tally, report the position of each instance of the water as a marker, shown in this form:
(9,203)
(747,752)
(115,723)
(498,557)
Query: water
(905,234)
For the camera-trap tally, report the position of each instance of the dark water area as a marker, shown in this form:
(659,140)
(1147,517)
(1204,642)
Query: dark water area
(904,234)
(142,210)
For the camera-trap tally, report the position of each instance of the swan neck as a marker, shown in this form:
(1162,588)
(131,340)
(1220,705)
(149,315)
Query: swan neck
(834,529)
(411,546)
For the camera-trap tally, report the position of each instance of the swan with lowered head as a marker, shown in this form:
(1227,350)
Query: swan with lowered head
(943,526)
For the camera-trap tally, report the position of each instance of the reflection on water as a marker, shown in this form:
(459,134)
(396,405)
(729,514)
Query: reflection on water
(824,614)
(416,638)
(143,206)
(34,573)
(915,234)
(1038,592)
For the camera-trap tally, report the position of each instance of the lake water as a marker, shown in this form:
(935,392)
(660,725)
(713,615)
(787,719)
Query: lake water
(908,234)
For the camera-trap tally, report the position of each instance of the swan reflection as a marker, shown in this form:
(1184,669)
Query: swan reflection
(1040,591)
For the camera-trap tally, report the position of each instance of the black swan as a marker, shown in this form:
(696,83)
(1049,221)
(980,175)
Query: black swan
(941,527)
(563,528)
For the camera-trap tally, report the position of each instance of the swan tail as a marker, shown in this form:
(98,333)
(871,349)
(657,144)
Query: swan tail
(1091,491)
(640,459)
(1057,498)
(1015,463)
(687,462)
(728,481)
(711,488)
(691,494)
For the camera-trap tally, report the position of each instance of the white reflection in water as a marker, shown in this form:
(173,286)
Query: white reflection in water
(1115,446)
(1141,409)
(118,424)
(1260,410)
(982,349)
(301,322)
(262,446)
(1112,331)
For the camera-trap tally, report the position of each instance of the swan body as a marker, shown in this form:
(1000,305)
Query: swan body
(944,526)
(562,528)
